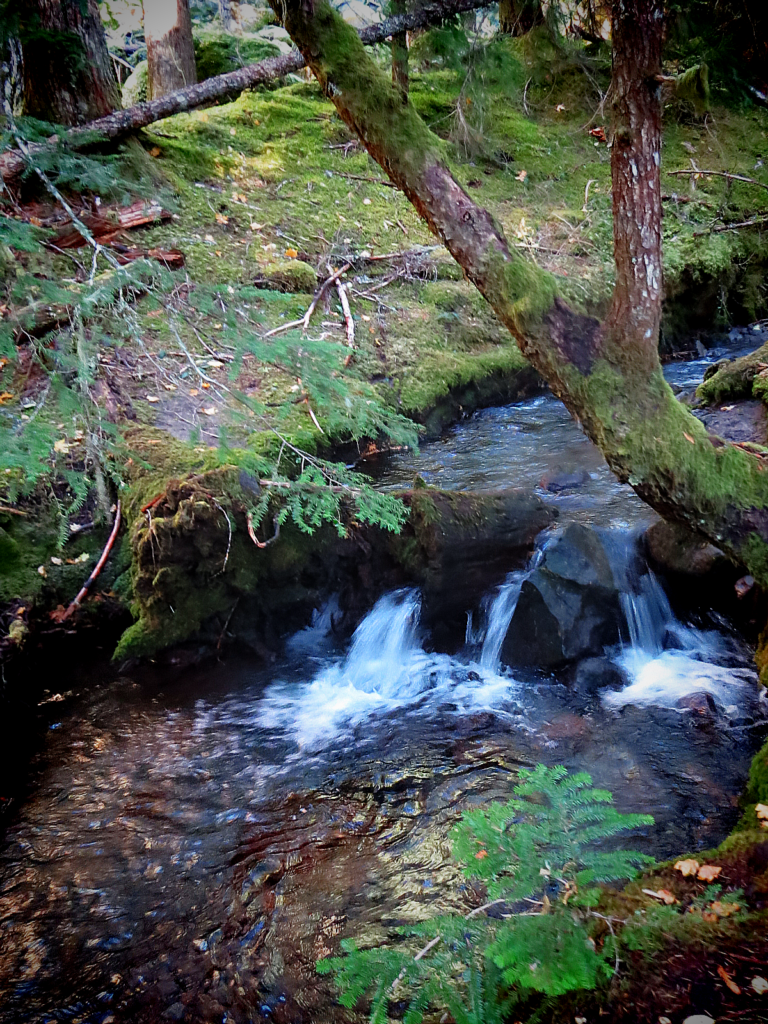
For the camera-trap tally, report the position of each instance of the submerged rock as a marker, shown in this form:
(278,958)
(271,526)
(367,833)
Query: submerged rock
(595,674)
(568,607)
(556,482)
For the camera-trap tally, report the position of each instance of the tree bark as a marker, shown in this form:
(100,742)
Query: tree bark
(609,376)
(170,49)
(518,17)
(225,13)
(68,74)
(232,84)
(400,54)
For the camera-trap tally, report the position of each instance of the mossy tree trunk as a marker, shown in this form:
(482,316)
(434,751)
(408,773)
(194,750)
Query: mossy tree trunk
(518,17)
(608,375)
(68,74)
(400,53)
(170,49)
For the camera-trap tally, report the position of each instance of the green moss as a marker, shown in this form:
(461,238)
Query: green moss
(218,54)
(288,276)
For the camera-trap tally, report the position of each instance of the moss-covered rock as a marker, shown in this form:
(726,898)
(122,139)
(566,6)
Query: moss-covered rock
(288,276)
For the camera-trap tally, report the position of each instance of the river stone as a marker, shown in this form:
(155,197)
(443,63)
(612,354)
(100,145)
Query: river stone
(595,674)
(556,482)
(568,607)
(671,547)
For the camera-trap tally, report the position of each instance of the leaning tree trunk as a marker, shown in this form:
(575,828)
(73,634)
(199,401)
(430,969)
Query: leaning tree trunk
(400,53)
(170,49)
(518,17)
(68,73)
(609,375)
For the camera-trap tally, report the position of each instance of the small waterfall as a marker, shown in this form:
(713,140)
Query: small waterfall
(648,615)
(383,644)
(498,616)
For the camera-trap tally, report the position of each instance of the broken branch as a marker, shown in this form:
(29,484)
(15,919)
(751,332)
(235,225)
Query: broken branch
(99,565)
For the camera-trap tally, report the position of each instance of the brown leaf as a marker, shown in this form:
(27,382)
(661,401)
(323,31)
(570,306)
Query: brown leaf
(687,867)
(661,894)
(724,909)
(689,438)
(729,981)
(708,872)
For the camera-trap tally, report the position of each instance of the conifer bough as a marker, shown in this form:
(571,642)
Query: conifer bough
(227,86)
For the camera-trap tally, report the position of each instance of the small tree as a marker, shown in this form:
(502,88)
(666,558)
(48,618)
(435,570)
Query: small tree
(67,72)
(170,48)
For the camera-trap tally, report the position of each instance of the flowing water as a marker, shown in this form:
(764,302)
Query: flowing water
(193,845)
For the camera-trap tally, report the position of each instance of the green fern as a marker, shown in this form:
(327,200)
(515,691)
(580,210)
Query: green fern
(539,859)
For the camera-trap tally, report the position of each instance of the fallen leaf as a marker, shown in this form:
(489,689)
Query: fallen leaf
(761,810)
(661,894)
(210,238)
(42,570)
(727,408)
(194,392)
(5,396)
(731,984)
(205,385)
(708,872)
(169,387)
(56,561)
(760,985)
(689,438)
(152,398)
(560,108)
(210,411)
(232,131)
(522,175)
(687,867)
(214,364)
(61,446)
(724,909)
(155,151)
(599,134)
(481,855)
(366,202)
(291,253)
(221,219)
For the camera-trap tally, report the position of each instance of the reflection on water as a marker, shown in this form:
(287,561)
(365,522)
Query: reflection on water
(191,855)
(188,854)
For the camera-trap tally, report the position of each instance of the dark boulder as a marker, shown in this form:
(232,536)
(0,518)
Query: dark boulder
(595,674)
(673,548)
(569,606)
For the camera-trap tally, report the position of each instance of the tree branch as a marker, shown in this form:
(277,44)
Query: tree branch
(609,376)
(230,85)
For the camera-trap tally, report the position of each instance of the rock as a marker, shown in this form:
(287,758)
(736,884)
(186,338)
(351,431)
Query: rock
(555,482)
(288,276)
(568,607)
(595,674)
(671,547)
(741,421)
(135,87)
(701,704)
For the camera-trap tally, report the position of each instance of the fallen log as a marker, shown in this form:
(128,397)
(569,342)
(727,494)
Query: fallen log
(228,86)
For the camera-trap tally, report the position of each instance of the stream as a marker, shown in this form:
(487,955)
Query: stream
(192,845)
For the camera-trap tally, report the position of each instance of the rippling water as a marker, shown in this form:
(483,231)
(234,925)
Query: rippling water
(191,847)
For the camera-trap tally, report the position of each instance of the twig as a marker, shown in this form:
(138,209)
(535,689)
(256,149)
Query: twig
(717,174)
(592,181)
(328,281)
(312,415)
(362,177)
(255,539)
(347,319)
(607,920)
(284,327)
(229,619)
(99,565)
(229,538)
(525,94)
(732,227)
(13,511)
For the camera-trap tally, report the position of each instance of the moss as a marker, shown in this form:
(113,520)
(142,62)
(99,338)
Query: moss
(217,54)
(288,276)
(135,88)
(739,378)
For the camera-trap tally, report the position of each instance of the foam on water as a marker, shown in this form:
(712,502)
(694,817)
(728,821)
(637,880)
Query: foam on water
(386,669)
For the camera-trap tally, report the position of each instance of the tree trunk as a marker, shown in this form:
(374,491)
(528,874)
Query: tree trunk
(400,53)
(170,49)
(68,73)
(609,376)
(225,13)
(227,86)
(518,17)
